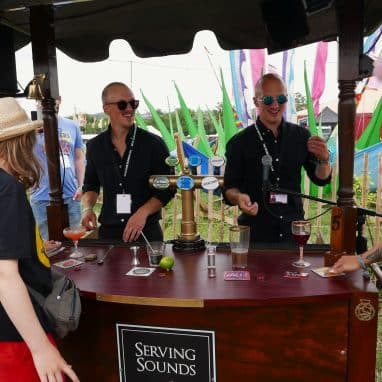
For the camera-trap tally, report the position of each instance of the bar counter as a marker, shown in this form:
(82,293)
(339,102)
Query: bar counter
(269,328)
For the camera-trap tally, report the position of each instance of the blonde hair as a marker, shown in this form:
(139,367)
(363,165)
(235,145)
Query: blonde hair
(18,153)
(105,91)
(264,78)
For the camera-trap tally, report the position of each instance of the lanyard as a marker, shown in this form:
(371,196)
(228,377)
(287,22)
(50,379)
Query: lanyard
(122,178)
(130,152)
(264,145)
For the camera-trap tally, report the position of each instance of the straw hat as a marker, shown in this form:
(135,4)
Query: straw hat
(14,121)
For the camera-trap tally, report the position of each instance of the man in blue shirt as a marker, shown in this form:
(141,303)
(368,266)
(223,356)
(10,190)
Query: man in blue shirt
(72,174)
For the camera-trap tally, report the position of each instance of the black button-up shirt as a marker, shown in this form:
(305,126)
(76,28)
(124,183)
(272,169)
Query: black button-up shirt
(244,170)
(105,168)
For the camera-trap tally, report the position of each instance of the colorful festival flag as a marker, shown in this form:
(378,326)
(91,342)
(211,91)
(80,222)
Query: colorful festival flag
(179,125)
(203,146)
(372,133)
(258,65)
(230,128)
(318,85)
(190,124)
(167,137)
(220,131)
(240,88)
(288,76)
(140,121)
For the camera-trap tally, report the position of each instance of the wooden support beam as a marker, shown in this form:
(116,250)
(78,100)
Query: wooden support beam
(44,62)
(350,32)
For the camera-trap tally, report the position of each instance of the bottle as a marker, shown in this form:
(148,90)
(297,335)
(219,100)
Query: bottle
(211,265)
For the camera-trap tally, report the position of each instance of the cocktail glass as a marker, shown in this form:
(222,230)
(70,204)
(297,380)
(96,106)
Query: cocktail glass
(75,233)
(301,233)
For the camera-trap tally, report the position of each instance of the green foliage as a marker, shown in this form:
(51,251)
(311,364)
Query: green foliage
(300,101)
(371,197)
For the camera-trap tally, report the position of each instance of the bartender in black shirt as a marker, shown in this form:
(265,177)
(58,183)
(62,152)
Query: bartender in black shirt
(121,160)
(286,148)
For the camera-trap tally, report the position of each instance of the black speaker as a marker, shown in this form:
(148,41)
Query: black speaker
(8,78)
(285,22)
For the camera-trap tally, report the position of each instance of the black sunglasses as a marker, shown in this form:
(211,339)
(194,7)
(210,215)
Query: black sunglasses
(122,104)
(268,100)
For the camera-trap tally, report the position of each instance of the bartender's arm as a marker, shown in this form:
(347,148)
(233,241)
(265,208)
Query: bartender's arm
(318,147)
(352,263)
(137,221)
(89,218)
(242,200)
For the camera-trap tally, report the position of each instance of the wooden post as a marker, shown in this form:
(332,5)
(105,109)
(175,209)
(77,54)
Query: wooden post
(44,62)
(350,43)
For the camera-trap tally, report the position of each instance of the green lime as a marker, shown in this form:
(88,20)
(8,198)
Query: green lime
(166,262)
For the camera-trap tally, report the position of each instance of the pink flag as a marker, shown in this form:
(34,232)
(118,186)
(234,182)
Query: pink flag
(319,75)
(257,57)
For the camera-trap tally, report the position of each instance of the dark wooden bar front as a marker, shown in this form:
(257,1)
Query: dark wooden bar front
(267,329)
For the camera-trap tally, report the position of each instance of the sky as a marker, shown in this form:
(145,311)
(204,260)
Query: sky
(195,74)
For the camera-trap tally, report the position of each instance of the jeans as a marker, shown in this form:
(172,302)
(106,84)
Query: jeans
(39,211)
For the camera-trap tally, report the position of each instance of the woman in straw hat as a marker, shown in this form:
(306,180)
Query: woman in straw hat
(27,349)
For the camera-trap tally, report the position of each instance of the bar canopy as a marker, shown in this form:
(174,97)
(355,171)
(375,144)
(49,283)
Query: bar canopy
(85,28)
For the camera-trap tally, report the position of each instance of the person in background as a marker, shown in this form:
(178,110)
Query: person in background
(286,148)
(27,349)
(121,160)
(352,263)
(72,173)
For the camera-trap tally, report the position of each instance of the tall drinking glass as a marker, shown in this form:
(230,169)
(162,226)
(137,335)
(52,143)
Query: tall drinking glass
(239,243)
(75,233)
(301,233)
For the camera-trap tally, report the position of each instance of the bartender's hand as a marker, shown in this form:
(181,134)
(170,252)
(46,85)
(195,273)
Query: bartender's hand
(245,204)
(317,146)
(345,264)
(89,220)
(134,225)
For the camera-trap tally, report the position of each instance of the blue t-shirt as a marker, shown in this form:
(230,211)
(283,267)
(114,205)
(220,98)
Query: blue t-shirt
(69,136)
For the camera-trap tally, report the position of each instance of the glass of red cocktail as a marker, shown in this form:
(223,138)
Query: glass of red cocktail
(75,234)
(301,233)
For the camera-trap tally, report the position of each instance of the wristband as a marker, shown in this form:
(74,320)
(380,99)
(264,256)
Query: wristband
(361,262)
(87,209)
(325,161)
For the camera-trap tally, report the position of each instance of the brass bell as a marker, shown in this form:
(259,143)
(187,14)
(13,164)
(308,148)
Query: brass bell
(34,89)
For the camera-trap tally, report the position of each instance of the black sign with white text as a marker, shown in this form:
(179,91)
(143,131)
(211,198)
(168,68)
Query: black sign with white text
(149,353)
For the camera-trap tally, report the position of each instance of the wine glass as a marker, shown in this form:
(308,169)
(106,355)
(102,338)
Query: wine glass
(301,232)
(75,233)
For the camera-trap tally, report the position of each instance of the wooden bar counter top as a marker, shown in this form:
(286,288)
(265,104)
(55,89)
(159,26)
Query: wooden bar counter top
(269,328)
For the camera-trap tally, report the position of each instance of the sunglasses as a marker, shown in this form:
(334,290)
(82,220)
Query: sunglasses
(268,100)
(122,105)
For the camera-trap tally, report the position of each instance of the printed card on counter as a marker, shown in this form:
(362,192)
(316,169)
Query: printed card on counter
(296,275)
(236,275)
(140,271)
(68,263)
(324,272)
